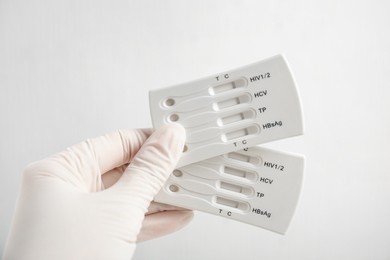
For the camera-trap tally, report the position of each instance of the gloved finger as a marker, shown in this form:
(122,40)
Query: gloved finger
(163,223)
(83,164)
(108,151)
(156,207)
(112,176)
(118,148)
(153,163)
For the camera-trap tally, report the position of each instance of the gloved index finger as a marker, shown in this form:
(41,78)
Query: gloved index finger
(92,158)
(118,148)
(152,165)
(156,207)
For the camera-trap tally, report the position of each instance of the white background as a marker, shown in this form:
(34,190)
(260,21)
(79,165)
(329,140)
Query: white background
(70,70)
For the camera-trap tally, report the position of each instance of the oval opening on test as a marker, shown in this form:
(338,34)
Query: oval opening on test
(173,117)
(242,189)
(173,188)
(230,203)
(226,86)
(177,173)
(169,102)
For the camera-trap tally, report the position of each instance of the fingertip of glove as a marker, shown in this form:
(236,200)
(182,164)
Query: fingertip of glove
(187,216)
(175,129)
(174,132)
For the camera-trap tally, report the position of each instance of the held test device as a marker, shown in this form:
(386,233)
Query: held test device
(222,171)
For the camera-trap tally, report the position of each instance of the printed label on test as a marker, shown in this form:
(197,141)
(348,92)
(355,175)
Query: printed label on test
(232,110)
(257,186)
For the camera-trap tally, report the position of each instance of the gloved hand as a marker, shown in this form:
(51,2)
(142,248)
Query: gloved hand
(64,211)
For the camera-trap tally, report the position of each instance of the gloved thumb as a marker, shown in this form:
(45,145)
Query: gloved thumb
(152,165)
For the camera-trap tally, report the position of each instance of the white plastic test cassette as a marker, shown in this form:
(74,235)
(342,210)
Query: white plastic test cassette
(231,110)
(257,186)
(225,116)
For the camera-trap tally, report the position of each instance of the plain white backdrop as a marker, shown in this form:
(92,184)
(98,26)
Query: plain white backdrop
(70,70)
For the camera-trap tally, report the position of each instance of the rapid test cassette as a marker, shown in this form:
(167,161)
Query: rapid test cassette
(225,116)
(256,185)
(232,110)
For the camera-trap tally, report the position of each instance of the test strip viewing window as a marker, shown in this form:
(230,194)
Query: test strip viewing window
(240,133)
(248,114)
(233,102)
(231,203)
(240,173)
(244,158)
(236,188)
(239,83)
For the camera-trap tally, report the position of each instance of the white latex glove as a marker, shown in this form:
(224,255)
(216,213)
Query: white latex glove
(64,212)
